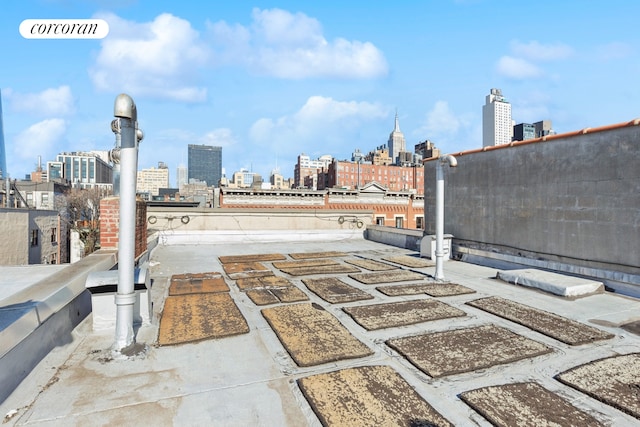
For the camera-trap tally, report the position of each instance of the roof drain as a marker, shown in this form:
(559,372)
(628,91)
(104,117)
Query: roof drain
(126,126)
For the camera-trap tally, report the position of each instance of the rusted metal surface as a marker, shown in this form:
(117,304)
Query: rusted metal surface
(262,297)
(289,294)
(565,330)
(387,277)
(525,404)
(308,255)
(335,291)
(201,283)
(240,270)
(370,264)
(264,282)
(401,313)
(410,261)
(194,317)
(228,259)
(368,396)
(305,263)
(434,289)
(312,335)
(463,350)
(613,380)
(320,269)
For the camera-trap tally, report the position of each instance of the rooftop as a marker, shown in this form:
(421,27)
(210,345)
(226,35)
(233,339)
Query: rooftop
(339,330)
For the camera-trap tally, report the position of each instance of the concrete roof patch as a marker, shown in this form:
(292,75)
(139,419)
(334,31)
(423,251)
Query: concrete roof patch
(371,265)
(401,313)
(335,291)
(613,380)
(313,336)
(228,259)
(434,289)
(320,269)
(565,330)
(464,350)
(525,404)
(410,261)
(387,276)
(308,255)
(366,396)
(194,317)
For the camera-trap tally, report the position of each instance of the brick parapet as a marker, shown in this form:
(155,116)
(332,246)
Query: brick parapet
(110,224)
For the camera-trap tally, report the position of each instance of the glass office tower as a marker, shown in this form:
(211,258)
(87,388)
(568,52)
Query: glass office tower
(205,164)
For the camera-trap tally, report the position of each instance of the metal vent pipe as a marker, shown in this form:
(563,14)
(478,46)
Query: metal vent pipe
(452,162)
(127,127)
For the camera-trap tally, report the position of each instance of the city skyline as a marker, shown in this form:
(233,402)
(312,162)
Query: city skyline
(268,81)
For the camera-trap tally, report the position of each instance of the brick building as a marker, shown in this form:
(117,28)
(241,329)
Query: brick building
(401,209)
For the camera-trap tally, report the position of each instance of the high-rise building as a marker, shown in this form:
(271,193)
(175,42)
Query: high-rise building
(497,125)
(543,128)
(81,170)
(3,156)
(182,176)
(305,167)
(205,164)
(396,142)
(150,181)
(523,132)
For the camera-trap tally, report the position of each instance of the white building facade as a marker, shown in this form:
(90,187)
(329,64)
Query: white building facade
(497,124)
(151,180)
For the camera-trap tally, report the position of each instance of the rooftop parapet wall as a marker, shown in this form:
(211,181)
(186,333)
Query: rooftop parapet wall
(572,198)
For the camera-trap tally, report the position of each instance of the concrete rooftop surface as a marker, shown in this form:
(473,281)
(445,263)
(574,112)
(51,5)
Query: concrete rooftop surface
(345,331)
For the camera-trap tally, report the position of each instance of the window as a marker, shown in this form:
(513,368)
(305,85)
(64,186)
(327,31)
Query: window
(379,220)
(419,222)
(399,222)
(34,237)
(54,235)
(44,199)
(53,259)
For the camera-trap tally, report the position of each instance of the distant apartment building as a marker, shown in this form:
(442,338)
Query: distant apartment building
(523,132)
(149,181)
(426,150)
(396,142)
(305,167)
(242,179)
(277,181)
(32,236)
(3,156)
(80,170)
(526,131)
(205,164)
(349,175)
(40,195)
(379,156)
(497,124)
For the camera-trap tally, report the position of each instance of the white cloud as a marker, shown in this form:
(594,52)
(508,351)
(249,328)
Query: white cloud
(536,51)
(285,45)
(517,68)
(56,102)
(320,122)
(222,137)
(158,59)
(40,139)
(442,120)
(614,50)
(447,130)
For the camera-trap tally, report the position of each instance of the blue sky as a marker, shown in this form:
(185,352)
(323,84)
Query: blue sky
(268,81)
